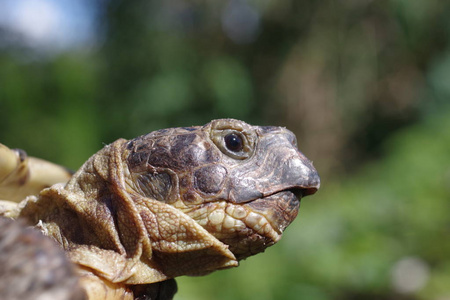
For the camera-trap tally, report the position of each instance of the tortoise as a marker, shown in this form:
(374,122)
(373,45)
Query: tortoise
(177,201)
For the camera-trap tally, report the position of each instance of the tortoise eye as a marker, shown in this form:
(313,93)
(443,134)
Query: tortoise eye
(234,142)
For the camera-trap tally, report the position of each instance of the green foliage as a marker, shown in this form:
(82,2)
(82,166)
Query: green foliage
(45,107)
(230,85)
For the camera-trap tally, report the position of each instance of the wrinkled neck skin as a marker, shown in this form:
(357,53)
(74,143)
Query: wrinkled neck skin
(117,233)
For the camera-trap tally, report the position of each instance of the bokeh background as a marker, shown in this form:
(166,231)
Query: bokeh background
(364,84)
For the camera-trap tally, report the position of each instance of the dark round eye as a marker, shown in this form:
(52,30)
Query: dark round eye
(234,142)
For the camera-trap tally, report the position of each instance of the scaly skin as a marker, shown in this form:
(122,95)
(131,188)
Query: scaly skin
(179,201)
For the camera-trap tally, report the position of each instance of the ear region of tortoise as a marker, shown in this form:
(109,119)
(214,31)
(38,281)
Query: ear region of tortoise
(242,183)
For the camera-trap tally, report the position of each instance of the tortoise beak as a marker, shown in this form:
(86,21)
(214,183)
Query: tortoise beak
(276,166)
(301,174)
(296,174)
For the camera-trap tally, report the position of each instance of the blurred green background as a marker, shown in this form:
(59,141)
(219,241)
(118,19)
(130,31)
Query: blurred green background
(365,85)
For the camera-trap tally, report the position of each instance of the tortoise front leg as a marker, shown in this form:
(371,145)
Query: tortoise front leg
(21,175)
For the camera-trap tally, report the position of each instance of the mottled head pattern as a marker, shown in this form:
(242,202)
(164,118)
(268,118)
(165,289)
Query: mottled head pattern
(241,183)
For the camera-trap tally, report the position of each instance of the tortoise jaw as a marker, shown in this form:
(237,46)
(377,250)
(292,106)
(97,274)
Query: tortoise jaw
(280,209)
(265,220)
(250,226)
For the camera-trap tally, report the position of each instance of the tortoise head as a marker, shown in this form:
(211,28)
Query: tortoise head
(241,183)
(180,201)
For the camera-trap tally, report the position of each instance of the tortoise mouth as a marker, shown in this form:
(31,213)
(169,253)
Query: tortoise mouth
(280,208)
(298,191)
(264,222)
(250,227)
